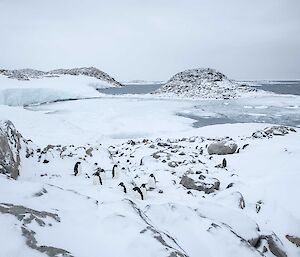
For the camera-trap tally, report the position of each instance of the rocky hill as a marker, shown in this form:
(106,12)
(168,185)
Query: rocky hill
(28,74)
(203,83)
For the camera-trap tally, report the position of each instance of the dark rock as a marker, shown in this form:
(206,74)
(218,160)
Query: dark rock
(230,185)
(293,239)
(172,164)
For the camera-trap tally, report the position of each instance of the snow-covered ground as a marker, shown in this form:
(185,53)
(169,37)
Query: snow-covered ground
(249,207)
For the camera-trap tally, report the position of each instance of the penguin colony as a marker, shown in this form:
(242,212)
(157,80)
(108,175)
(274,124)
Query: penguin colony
(100,175)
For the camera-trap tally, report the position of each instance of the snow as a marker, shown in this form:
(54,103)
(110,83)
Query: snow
(22,92)
(145,134)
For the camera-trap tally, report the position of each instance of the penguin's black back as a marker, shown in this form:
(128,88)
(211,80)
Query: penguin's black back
(113,171)
(76,168)
(139,191)
(124,188)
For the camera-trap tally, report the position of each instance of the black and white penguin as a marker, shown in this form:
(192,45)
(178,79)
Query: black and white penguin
(102,173)
(144,190)
(138,193)
(115,172)
(123,187)
(151,182)
(77,169)
(100,170)
(97,180)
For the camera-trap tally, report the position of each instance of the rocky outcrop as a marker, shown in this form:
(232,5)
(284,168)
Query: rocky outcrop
(26,216)
(27,74)
(203,83)
(90,72)
(222,148)
(273,131)
(269,242)
(10,145)
(23,74)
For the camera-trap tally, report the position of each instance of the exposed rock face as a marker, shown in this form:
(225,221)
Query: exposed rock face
(27,74)
(10,145)
(222,148)
(203,83)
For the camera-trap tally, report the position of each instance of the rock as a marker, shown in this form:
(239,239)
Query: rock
(172,164)
(294,240)
(10,145)
(222,148)
(273,131)
(208,188)
(230,185)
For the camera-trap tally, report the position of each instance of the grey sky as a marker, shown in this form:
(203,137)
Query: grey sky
(135,39)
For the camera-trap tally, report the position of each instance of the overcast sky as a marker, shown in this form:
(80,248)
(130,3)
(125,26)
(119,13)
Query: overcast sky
(153,39)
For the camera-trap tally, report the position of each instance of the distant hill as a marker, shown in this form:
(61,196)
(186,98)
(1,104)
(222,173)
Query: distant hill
(203,83)
(28,74)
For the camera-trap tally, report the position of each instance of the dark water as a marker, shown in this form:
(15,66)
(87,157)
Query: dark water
(282,87)
(131,89)
(278,87)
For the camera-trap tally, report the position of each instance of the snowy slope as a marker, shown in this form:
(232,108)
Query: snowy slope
(203,83)
(246,210)
(27,86)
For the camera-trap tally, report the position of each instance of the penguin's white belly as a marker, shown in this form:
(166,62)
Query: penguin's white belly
(117,174)
(137,195)
(144,192)
(78,171)
(151,183)
(96,180)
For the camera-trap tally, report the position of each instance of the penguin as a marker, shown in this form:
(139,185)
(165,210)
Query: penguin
(138,193)
(97,178)
(151,182)
(100,170)
(115,172)
(224,163)
(123,187)
(143,190)
(77,169)
(102,173)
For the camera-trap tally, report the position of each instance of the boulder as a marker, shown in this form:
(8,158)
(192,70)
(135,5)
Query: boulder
(222,148)
(293,239)
(208,188)
(10,145)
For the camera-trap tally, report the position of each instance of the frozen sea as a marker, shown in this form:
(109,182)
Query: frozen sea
(210,112)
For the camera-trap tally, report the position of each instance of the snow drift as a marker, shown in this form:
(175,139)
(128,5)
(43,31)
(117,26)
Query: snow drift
(28,86)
